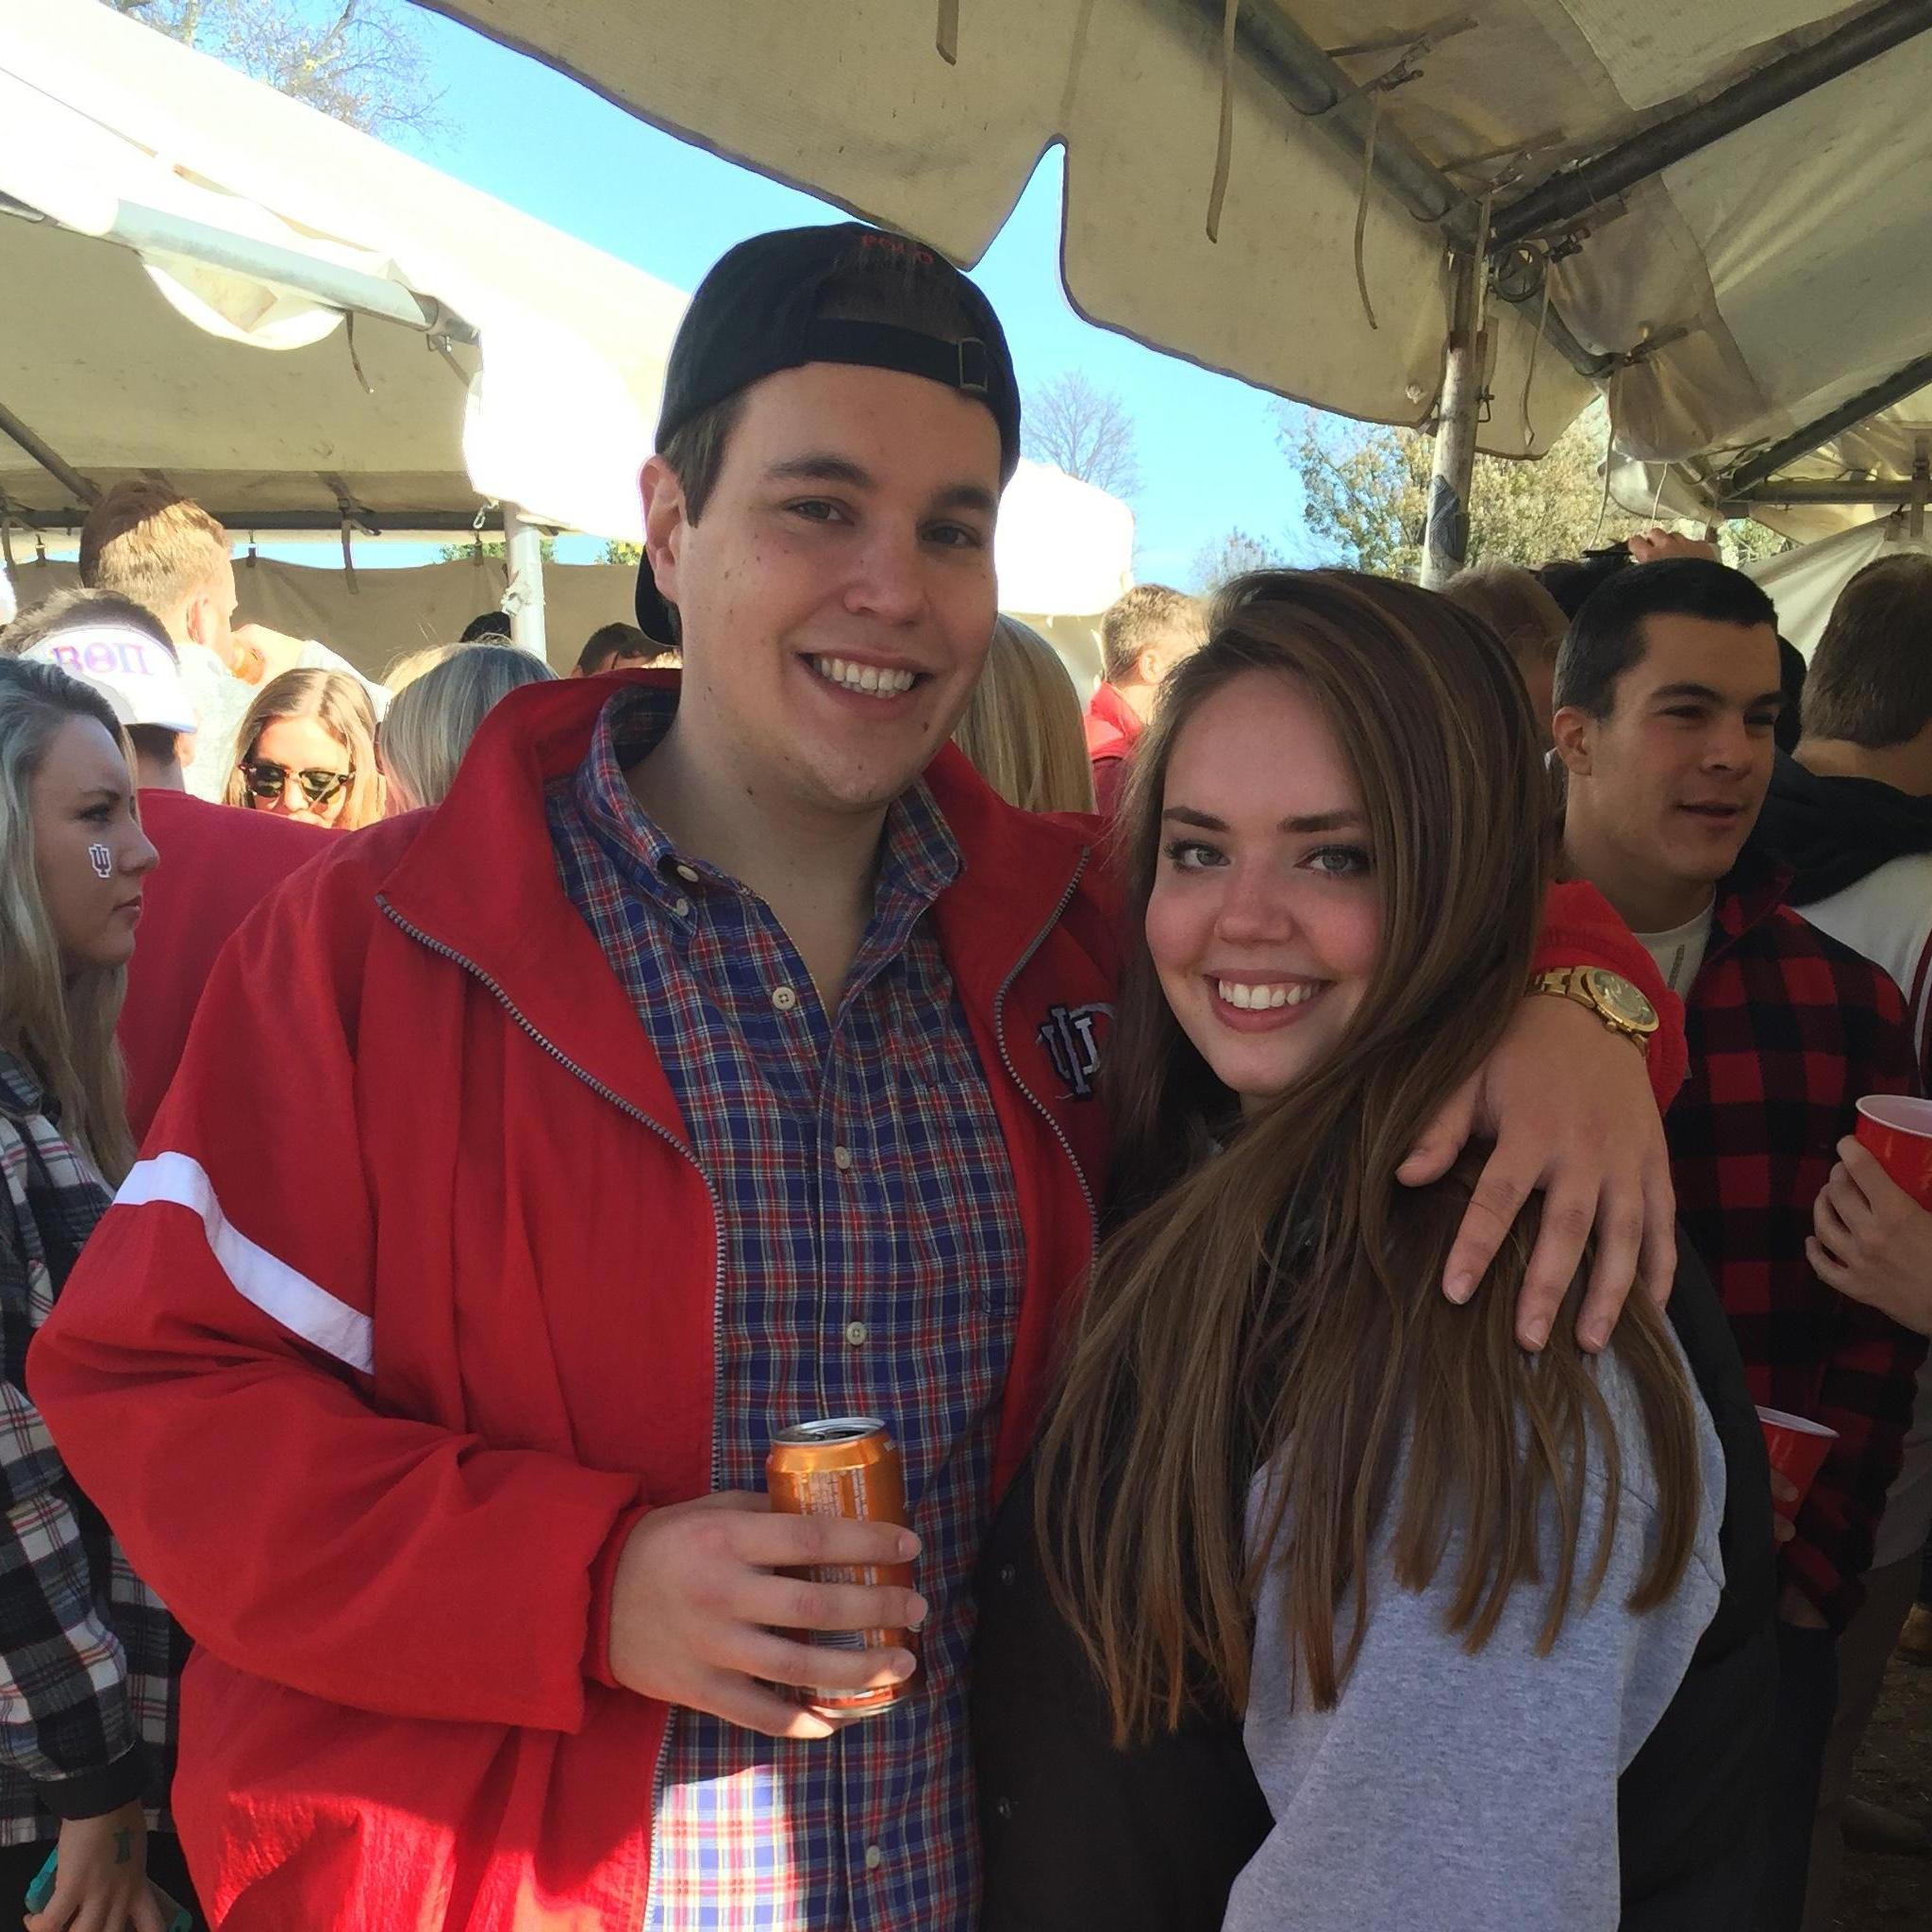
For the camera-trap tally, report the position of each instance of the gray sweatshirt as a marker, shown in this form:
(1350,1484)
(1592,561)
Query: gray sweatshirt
(1466,1793)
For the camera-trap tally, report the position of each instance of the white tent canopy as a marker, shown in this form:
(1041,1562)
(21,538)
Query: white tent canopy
(202,279)
(198,279)
(1805,583)
(1725,300)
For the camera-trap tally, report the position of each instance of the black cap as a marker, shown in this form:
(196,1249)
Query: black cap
(755,314)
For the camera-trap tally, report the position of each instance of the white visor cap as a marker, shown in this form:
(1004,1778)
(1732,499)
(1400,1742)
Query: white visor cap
(137,676)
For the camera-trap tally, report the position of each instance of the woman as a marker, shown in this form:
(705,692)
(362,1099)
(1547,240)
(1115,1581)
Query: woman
(86,1744)
(431,723)
(1453,1587)
(305,750)
(1023,728)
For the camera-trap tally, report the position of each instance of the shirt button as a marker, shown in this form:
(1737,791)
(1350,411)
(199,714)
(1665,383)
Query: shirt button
(842,1159)
(682,908)
(1010,1574)
(873,1858)
(784,998)
(1004,1806)
(688,874)
(855,1334)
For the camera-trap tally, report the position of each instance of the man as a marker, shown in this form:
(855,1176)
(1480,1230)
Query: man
(1851,813)
(1144,633)
(719,1054)
(219,862)
(1529,621)
(1668,691)
(147,542)
(620,647)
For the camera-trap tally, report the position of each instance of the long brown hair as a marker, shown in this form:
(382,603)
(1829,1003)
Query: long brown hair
(61,1023)
(1279,1304)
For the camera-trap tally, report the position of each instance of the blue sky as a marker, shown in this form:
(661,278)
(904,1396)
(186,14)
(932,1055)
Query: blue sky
(1208,459)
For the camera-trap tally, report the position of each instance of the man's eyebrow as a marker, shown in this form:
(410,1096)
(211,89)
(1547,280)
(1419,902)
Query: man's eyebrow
(967,496)
(822,466)
(1705,694)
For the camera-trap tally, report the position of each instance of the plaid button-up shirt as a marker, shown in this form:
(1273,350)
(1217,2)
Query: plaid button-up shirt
(873,1260)
(1787,1028)
(88,1658)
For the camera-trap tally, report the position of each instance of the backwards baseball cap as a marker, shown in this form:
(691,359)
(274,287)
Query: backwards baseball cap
(756,314)
(137,676)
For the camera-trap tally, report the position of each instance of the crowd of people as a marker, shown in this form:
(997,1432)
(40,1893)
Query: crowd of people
(1318,1159)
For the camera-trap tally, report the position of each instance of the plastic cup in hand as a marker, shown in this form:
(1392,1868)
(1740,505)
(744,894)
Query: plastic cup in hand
(1797,1449)
(1899,1133)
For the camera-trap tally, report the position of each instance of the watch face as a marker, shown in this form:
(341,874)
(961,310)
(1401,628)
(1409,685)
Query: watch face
(1619,1000)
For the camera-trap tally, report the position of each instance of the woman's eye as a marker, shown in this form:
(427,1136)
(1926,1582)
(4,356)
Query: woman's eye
(1340,861)
(1189,855)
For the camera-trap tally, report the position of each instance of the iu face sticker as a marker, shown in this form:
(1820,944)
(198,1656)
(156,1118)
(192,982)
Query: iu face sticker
(102,861)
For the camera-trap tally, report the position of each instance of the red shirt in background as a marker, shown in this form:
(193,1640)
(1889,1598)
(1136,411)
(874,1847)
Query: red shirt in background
(1111,730)
(217,862)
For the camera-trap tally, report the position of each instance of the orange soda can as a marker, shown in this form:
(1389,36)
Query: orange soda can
(849,1466)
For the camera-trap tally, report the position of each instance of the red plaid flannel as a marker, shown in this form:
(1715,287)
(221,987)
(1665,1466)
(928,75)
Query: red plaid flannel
(1787,1028)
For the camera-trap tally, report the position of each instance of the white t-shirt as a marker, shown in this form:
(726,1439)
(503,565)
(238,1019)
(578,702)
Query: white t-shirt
(1680,953)
(1888,918)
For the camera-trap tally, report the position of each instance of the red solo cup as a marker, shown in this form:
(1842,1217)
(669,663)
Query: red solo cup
(1899,1133)
(1798,1449)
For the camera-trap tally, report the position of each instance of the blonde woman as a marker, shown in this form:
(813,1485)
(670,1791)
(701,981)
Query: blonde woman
(88,1658)
(1022,729)
(305,750)
(431,723)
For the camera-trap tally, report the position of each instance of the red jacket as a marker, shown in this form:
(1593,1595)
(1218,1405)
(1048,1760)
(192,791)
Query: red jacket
(1112,728)
(372,1402)
(216,864)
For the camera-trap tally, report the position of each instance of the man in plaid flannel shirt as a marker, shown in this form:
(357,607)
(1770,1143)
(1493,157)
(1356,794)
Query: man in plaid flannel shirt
(1667,693)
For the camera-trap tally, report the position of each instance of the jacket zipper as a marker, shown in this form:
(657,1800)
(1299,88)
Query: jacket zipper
(999,1029)
(664,1134)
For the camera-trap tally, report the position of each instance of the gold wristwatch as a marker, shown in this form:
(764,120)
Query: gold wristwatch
(1619,1004)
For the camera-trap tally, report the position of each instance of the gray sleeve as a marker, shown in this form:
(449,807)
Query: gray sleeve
(1463,1793)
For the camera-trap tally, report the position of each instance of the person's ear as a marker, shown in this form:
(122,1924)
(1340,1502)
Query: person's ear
(665,520)
(195,619)
(1574,732)
(1150,667)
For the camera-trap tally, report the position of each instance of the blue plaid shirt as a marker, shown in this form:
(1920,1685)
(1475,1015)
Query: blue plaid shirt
(874,1263)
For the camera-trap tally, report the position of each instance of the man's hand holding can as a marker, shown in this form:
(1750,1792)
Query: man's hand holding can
(697,1613)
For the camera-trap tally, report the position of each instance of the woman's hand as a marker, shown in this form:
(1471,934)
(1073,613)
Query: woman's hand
(1873,1241)
(1569,1108)
(101,1883)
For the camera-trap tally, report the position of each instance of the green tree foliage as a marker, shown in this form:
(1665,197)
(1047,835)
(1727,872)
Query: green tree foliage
(1366,489)
(492,547)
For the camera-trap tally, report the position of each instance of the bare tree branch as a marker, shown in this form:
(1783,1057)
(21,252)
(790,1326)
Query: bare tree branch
(1085,431)
(362,64)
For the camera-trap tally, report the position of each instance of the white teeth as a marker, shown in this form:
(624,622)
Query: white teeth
(1255,999)
(868,679)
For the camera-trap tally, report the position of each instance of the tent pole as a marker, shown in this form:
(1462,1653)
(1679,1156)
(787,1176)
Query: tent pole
(47,457)
(1746,477)
(1446,544)
(524,597)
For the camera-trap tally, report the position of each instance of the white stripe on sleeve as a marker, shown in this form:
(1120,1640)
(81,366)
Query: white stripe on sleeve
(278,1290)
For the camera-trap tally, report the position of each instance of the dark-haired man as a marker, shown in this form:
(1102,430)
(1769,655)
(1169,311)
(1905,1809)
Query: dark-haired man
(1668,691)
(216,863)
(719,1054)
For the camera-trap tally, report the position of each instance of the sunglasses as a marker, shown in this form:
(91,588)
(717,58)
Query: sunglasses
(267,780)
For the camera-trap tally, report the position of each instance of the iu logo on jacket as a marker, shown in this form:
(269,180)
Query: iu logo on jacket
(1071,1036)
